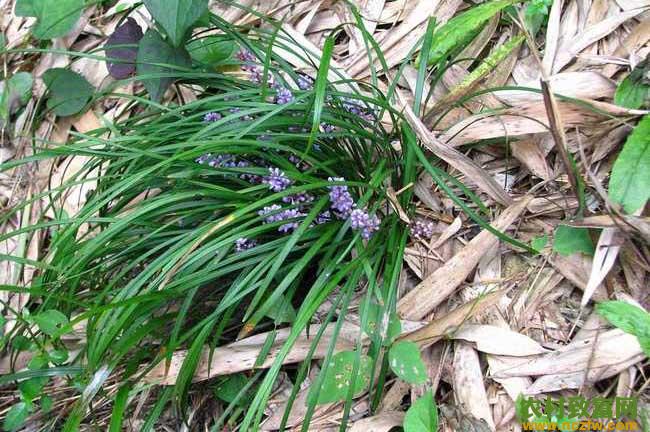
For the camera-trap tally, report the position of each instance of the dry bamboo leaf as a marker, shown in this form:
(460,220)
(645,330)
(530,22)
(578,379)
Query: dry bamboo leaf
(529,118)
(469,390)
(529,153)
(241,355)
(595,358)
(458,160)
(552,37)
(590,35)
(448,233)
(441,327)
(514,386)
(443,282)
(383,422)
(638,37)
(500,341)
(609,244)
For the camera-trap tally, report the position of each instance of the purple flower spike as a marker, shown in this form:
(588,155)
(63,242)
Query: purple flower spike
(361,220)
(283,96)
(277,180)
(242,244)
(211,117)
(340,199)
(422,229)
(273,214)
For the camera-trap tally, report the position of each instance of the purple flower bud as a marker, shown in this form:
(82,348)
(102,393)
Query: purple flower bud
(340,199)
(361,220)
(323,217)
(422,229)
(273,214)
(242,244)
(247,58)
(328,128)
(277,180)
(299,198)
(305,82)
(283,96)
(211,117)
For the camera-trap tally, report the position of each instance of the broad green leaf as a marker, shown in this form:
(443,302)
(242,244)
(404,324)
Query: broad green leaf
(153,54)
(370,316)
(339,377)
(176,16)
(56,17)
(538,243)
(394,327)
(211,50)
(536,14)
(569,240)
(229,387)
(37,362)
(634,91)
(422,416)
(16,92)
(25,8)
(629,184)
(32,388)
(405,361)
(69,91)
(460,30)
(50,321)
(46,403)
(629,318)
(16,416)
(282,311)
(58,356)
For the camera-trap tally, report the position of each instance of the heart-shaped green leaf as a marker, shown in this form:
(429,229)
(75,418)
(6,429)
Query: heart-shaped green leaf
(154,57)
(56,17)
(569,240)
(69,91)
(50,321)
(176,16)
(422,416)
(405,361)
(211,50)
(24,8)
(630,181)
(339,377)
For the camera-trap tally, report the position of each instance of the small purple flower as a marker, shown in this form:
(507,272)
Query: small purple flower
(211,117)
(298,162)
(422,229)
(340,198)
(283,96)
(266,213)
(290,214)
(305,82)
(361,220)
(242,244)
(204,158)
(247,58)
(323,217)
(299,198)
(277,180)
(328,128)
